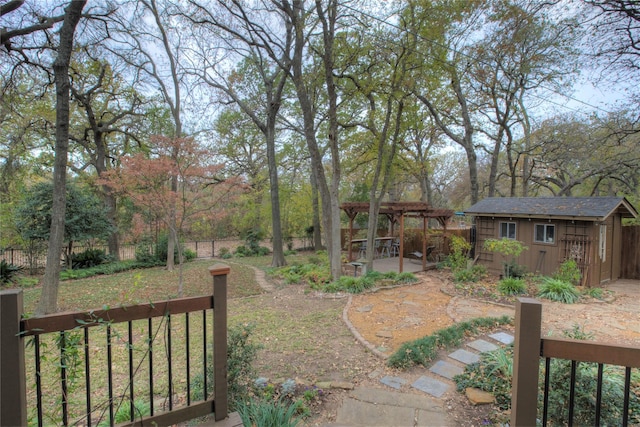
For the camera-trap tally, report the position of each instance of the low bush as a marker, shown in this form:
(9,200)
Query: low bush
(424,350)
(494,370)
(558,290)
(473,274)
(492,374)
(459,255)
(8,272)
(89,258)
(104,269)
(512,286)
(514,269)
(241,353)
(568,272)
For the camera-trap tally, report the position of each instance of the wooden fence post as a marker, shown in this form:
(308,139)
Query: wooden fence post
(219,273)
(526,362)
(13,380)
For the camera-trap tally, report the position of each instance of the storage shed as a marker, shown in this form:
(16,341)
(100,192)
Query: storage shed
(585,229)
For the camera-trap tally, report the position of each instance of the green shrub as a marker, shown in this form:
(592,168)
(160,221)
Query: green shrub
(473,274)
(459,255)
(423,350)
(8,272)
(568,272)
(493,374)
(89,258)
(514,269)
(586,380)
(512,286)
(145,252)
(241,353)
(223,251)
(557,290)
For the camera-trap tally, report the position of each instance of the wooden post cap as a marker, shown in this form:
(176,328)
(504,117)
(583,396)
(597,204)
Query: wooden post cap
(219,269)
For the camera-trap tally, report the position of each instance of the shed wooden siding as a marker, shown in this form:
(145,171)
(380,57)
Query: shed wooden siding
(573,239)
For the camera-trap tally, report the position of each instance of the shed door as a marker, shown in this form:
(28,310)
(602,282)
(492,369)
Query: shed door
(606,250)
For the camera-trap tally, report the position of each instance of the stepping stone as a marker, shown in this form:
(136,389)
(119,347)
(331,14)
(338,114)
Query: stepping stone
(365,308)
(384,334)
(503,337)
(375,374)
(464,356)
(431,386)
(446,369)
(395,382)
(482,346)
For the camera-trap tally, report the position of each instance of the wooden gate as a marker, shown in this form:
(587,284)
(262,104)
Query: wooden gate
(630,266)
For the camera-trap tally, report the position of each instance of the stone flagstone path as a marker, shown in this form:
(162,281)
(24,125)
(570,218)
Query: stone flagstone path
(447,369)
(379,407)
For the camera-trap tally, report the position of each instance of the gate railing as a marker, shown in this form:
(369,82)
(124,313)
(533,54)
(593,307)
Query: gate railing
(108,360)
(529,348)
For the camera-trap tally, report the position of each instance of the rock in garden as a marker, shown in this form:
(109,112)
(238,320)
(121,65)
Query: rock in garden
(479,397)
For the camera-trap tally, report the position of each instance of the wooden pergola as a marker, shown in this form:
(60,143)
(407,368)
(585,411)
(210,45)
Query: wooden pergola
(397,212)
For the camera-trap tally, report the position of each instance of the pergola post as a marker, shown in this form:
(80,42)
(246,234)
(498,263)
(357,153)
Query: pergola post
(349,246)
(424,243)
(401,242)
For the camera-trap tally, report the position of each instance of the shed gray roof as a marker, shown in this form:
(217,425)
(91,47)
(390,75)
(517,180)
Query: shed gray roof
(593,208)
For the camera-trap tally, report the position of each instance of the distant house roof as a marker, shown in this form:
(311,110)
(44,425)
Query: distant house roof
(584,208)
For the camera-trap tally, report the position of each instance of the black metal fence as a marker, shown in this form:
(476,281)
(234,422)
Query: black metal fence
(203,249)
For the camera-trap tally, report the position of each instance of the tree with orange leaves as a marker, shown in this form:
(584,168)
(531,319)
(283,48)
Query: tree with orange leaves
(201,192)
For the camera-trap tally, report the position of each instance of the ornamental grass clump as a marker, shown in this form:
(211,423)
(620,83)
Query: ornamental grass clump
(268,413)
(558,290)
(512,286)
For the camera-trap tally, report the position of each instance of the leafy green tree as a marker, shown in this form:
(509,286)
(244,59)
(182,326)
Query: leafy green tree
(507,248)
(85,217)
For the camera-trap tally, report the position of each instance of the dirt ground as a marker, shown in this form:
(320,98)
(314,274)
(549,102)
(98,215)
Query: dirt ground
(388,317)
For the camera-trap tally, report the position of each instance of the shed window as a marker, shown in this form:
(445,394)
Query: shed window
(545,233)
(508,230)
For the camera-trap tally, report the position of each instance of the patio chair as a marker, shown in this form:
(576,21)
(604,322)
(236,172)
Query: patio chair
(395,248)
(362,253)
(376,249)
(386,247)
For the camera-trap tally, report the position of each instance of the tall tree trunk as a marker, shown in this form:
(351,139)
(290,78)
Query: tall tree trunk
(276,224)
(328,196)
(315,202)
(49,298)
(328,20)
(108,198)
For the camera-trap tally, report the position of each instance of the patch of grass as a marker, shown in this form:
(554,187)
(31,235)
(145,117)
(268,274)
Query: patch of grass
(558,290)
(142,286)
(106,269)
(512,286)
(424,350)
